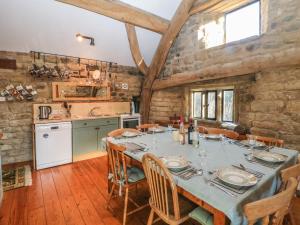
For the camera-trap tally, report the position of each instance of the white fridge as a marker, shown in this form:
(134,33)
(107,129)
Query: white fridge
(53,144)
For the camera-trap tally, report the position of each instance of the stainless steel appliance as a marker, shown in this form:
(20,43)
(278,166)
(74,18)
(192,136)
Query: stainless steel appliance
(45,111)
(130,120)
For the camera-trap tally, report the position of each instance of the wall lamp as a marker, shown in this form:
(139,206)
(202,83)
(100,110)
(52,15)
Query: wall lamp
(80,37)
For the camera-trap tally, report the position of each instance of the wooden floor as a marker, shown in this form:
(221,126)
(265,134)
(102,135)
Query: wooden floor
(73,194)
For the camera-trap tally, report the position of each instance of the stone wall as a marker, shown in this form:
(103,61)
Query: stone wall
(16,117)
(166,103)
(270,105)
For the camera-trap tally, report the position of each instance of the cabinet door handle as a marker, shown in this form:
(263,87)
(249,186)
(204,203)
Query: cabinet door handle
(85,124)
(97,128)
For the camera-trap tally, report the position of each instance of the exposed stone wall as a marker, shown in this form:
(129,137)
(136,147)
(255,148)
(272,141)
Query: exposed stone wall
(16,117)
(274,109)
(166,103)
(270,105)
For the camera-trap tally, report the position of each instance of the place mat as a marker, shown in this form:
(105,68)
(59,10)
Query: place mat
(16,177)
(130,146)
(263,163)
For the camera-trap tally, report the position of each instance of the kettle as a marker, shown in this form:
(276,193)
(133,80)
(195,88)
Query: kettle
(45,111)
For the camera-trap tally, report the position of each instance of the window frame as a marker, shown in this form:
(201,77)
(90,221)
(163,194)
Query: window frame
(206,104)
(234,10)
(193,104)
(233,105)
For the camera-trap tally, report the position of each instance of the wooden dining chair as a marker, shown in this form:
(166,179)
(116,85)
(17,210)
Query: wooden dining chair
(145,127)
(271,210)
(164,199)
(123,177)
(267,140)
(202,129)
(120,131)
(286,174)
(227,133)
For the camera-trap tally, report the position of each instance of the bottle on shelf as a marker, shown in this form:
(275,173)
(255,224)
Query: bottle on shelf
(190,132)
(181,131)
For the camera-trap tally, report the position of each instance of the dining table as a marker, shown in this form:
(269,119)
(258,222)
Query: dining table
(226,207)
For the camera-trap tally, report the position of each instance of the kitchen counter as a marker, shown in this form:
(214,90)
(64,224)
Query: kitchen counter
(73,118)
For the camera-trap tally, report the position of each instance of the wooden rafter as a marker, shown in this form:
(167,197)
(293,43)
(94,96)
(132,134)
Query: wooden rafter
(135,50)
(178,20)
(123,12)
(201,7)
(287,57)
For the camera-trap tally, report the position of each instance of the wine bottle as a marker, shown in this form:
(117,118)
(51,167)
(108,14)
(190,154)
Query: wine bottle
(190,132)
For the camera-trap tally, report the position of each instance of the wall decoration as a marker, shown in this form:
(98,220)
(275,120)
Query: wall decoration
(18,93)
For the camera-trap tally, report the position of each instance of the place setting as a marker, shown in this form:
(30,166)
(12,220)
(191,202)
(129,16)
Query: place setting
(180,167)
(234,180)
(266,158)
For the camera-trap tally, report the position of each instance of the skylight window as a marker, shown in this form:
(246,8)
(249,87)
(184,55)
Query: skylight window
(243,22)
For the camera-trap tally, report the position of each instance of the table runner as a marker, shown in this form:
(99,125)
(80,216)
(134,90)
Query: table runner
(218,155)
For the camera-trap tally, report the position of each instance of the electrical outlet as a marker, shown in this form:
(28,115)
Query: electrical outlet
(124,86)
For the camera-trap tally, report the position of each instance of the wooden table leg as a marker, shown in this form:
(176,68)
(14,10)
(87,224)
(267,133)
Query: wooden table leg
(219,218)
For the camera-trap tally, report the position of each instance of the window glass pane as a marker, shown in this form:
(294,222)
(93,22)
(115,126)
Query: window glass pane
(197,104)
(243,23)
(211,108)
(228,105)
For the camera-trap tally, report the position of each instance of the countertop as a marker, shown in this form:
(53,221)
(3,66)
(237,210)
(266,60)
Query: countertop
(74,118)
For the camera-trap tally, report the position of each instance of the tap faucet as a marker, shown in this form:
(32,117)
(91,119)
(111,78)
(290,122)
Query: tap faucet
(91,113)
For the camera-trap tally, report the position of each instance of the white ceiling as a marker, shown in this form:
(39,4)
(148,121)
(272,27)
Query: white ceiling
(50,26)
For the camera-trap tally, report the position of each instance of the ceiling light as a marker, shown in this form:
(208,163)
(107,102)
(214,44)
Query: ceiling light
(80,37)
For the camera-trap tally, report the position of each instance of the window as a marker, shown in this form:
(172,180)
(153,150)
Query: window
(227,105)
(243,22)
(197,101)
(213,104)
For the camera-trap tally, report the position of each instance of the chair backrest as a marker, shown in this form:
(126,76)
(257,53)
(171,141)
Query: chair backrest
(117,162)
(271,210)
(119,132)
(227,133)
(286,174)
(160,184)
(145,127)
(202,129)
(267,140)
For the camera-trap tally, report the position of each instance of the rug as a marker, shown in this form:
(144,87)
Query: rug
(16,177)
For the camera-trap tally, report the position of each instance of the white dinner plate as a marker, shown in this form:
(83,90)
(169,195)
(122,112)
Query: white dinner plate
(156,129)
(269,156)
(257,143)
(175,162)
(129,134)
(213,136)
(236,177)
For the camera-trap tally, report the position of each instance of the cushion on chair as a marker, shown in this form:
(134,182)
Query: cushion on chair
(135,174)
(202,216)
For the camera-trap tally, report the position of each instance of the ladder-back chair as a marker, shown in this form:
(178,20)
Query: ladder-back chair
(286,174)
(271,210)
(267,140)
(123,177)
(227,133)
(164,199)
(120,131)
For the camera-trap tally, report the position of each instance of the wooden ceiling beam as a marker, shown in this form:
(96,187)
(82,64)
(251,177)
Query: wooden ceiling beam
(162,51)
(123,12)
(254,64)
(201,7)
(135,49)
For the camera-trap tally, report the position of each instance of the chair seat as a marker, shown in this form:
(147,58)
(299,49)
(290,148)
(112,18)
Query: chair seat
(135,174)
(202,216)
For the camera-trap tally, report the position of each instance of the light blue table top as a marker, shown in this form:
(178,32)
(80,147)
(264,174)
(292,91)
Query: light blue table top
(218,156)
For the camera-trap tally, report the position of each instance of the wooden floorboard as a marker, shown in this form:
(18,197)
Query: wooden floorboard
(72,194)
